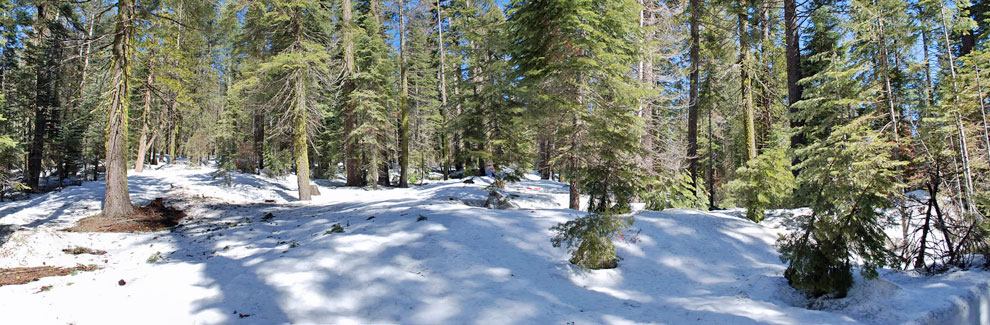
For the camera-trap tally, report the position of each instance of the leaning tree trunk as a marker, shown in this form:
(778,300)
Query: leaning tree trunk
(117,202)
(301,148)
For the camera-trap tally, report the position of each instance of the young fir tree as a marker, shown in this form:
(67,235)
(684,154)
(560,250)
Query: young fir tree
(848,176)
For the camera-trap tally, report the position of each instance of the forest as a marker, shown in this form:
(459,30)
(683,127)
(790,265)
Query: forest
(860,125)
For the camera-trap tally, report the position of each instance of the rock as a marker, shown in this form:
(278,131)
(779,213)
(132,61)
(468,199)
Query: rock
(497,200)
(315,191)
(469,181)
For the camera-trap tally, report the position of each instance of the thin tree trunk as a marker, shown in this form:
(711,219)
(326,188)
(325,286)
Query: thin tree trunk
(574,202)
(983,113)
(403,102)
(352,162)
(117,202)
(142,141)
(927,89)
(695,57)
(884,61)
(967,175)
(745,83)
(259,139)
(792,38)
(443,95)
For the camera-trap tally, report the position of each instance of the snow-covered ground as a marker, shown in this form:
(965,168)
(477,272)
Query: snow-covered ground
(423,255)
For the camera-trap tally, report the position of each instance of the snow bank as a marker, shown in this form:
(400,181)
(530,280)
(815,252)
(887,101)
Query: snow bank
(423,256)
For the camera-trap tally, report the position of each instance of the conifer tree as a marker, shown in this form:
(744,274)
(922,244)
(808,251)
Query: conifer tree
(295,73)
(574,57)
(848,176)
(373,98)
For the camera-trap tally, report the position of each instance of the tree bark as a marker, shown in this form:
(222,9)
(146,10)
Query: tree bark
(117,202)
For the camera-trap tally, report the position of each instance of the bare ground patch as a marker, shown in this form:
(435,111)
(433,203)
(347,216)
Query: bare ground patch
(22,275)
(153,217)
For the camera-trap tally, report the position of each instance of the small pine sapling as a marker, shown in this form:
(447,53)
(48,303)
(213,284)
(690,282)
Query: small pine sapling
(589,239)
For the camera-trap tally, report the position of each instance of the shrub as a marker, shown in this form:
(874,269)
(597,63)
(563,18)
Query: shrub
(589,239)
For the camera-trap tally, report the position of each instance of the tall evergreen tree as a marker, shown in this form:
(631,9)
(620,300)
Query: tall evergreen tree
(295,73)
(575,57)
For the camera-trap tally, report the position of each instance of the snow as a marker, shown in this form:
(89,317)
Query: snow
(462,264)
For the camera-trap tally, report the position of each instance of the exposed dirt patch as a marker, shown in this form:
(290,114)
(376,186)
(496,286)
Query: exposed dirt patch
(22,275)
(79,250)
(153,217)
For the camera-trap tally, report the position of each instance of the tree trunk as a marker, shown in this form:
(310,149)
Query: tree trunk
(983,113)
(443,94)
(575,195)
(403,102)
(695,57)
(352,162)
(792,38)
(259,139)
(745,83)
(173,133)
(300,146)
(117,202)
(142,141)
(46,97)
(963,150)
